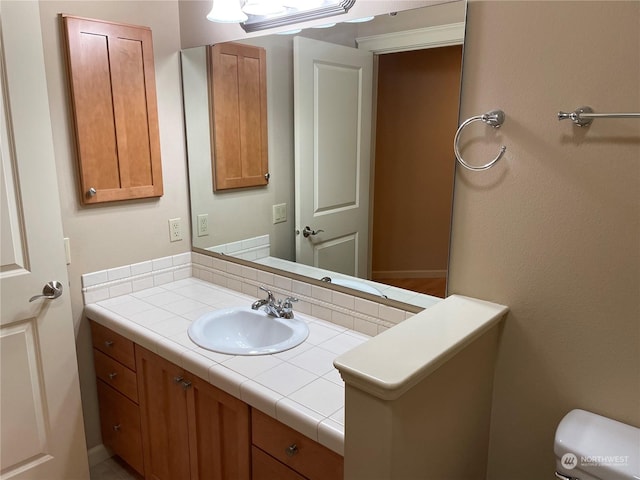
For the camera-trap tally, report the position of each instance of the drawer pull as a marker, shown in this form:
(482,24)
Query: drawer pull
(108,343)
(185,383)
(291,450)
(116,428)
(113,375)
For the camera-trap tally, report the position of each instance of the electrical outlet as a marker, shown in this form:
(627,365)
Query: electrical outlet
(175,229)
(279,213)
(203,224)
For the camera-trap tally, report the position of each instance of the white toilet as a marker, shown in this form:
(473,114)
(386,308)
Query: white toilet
(592,447)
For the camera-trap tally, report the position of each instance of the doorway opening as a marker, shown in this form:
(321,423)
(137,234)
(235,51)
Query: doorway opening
(416,118)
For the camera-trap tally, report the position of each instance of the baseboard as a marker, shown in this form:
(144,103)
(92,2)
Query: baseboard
(409,274)
(98,454)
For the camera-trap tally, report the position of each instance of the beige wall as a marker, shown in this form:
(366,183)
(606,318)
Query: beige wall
(127,232)
(553,231)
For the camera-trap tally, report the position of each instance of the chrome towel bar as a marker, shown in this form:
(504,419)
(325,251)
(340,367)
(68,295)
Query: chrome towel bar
(494,118)
(583,116)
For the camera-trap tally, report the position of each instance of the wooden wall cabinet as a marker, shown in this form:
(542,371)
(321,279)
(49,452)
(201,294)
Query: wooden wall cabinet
(113,99)
(238,113)
(190,429)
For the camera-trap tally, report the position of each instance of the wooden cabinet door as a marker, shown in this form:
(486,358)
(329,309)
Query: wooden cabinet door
(238,96)
(163,415)
(219,434)
(113,97)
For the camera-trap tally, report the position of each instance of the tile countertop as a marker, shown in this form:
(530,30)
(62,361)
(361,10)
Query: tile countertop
(300,387)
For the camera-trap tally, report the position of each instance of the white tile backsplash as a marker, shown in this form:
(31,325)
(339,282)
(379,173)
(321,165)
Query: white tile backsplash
(344,310)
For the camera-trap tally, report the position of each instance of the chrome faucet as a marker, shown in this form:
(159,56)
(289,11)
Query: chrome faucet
(278,309)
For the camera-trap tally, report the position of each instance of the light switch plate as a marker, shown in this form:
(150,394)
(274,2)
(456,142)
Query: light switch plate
(280,213)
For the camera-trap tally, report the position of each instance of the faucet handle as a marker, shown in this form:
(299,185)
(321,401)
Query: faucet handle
(287,307)
(287,303)
(270,296)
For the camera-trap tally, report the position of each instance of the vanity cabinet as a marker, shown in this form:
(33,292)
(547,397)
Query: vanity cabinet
(238,115)
(113,99)
(190,429)
(118,395)
(169,424)
(284,453)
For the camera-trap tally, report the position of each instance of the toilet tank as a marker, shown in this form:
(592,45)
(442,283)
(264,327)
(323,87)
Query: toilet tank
(593,447)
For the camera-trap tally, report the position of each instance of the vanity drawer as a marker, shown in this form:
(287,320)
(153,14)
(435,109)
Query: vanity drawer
(265,467)
(120,424)
(302,454)
(116,374)
(114,345)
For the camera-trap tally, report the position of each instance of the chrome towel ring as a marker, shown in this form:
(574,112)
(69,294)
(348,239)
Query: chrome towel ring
(494,118)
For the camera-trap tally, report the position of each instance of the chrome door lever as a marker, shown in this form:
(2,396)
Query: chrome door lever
(307,231)
(51,291)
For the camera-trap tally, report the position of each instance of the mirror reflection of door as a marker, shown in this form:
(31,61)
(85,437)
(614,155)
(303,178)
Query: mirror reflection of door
(416,120)
(332,105)
(416,116)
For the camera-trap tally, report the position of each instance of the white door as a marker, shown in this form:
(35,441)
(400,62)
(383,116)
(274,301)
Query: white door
(41,423)
(332,109)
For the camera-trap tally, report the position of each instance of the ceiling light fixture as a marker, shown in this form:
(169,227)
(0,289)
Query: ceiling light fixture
(226,11)
(263,7)
(262,14)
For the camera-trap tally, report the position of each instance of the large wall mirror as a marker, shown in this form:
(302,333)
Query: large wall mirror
(361,119)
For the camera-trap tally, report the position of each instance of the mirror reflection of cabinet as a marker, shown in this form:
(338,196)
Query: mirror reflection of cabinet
(238,98)
(113,97)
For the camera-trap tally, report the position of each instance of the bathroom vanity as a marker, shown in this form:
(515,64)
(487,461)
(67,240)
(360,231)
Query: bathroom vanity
(163,405)
(423,379)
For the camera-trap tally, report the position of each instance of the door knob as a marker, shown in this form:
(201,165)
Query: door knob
(307,231)
(51,291)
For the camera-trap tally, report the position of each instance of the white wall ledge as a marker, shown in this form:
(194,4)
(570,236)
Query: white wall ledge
(391,363)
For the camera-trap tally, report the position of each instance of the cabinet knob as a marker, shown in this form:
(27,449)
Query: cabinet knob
(108,343)
(291,450)
(116,428)
(91,192)
(113,375)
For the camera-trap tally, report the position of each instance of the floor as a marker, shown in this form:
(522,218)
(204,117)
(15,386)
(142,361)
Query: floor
(429,286)
(113,469)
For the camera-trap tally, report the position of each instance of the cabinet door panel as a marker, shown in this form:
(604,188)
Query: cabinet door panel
(219,433)
(238,94)
(113,95)
(163,414)
(93,102)
(130,107)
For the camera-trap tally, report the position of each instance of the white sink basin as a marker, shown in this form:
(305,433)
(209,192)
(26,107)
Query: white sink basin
(357,285)
(243,331)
